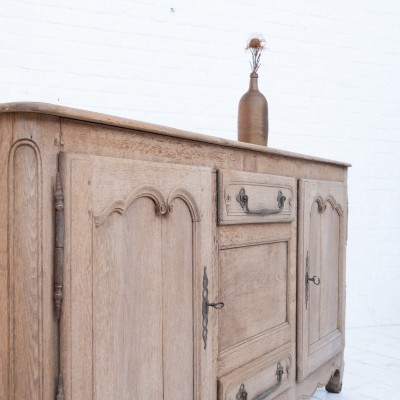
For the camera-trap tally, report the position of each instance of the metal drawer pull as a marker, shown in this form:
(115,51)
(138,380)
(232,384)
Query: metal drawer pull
(243,199)
(242,394)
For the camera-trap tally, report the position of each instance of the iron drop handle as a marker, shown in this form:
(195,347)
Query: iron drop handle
(243,199)
(242,394)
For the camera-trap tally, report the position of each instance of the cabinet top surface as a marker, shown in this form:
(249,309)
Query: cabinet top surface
(105,119)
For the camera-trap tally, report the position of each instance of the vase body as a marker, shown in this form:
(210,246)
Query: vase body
(253,115)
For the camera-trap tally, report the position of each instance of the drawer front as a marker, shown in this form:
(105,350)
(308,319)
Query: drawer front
(249,197)
(263,378)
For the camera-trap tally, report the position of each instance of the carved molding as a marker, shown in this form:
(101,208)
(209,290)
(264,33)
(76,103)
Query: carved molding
(336,206)
(120,206)
(25,250)
(161,206)
(188,199)
(323,381)
(322,203)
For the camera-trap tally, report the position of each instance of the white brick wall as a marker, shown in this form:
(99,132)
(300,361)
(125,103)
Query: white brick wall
(331,75)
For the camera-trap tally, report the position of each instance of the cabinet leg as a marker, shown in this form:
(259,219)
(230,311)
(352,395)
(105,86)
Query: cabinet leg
(335,383)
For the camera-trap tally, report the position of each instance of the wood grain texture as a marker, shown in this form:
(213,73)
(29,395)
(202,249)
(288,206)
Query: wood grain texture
(319,378)
(262,191)
(178,237)
(25,271)
(140,282)
(235,235)
(44,132)
(330,269)
(128,318)
(110,210)
(6,125)
(77,350)
(259,375)
(245,236)
(253,285)
(249,350)
(314,292)
(120,142)
(103,119)
(323,220)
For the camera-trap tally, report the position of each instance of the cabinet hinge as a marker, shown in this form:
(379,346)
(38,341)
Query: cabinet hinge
(306,280)
(59,246)
(347,222)
(218,179)
(60,388)
(205,307)
(59,272)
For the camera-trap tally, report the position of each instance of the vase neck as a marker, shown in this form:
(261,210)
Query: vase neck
(253,81)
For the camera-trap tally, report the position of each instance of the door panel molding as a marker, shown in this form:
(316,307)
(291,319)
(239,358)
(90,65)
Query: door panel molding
(321,244)
(104,194)
(121,205)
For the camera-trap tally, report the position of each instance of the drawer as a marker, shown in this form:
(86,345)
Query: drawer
(249,197)
(263,378)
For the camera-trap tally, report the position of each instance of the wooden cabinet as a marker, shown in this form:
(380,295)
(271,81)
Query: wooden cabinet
(185,266)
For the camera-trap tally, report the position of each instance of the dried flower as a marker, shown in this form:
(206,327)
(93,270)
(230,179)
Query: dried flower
(255,45)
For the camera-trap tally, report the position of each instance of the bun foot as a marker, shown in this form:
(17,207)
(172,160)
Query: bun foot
(335,383)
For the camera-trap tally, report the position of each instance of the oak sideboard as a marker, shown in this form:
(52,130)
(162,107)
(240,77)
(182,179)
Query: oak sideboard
(140,262)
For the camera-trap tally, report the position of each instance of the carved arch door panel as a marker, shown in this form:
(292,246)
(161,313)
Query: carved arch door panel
(138,235)
(321,273)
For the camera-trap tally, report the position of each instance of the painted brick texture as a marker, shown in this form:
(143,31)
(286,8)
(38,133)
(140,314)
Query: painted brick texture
(330,74)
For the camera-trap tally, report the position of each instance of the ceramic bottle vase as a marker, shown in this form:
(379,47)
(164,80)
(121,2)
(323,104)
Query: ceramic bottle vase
(253,115)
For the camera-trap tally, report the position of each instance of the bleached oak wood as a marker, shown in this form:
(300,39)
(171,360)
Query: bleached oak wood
(115,172)
(235,242)
(31,154)
(25,214)
(128,326)
(104,119)
(259,376)
(253,285)
(6,125)
(262,191)
(136,284)
(323,216)
(177,294)
(319,378)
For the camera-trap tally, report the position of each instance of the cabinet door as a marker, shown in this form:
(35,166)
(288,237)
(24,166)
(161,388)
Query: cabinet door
(138,235)
(321,273)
